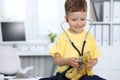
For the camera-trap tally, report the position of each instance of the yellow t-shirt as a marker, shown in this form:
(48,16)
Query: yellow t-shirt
(65,49)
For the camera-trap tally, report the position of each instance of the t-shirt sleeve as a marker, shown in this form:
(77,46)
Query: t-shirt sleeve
(59,46)
(96,52)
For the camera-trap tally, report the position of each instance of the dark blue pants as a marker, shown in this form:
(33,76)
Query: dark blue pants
(58,76)
(94,77)
(85,77)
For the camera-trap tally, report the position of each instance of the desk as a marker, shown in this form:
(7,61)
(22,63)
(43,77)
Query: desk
(25,79)
(40,53)
(36,78)
(42,61)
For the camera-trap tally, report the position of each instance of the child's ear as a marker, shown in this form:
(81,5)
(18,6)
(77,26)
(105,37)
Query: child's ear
(66,18)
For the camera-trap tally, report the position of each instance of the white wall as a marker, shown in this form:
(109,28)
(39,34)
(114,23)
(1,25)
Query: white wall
(1,10)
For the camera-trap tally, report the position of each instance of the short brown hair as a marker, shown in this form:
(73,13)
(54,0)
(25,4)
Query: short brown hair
(75,5)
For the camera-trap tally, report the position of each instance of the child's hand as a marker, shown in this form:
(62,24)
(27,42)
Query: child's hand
(91,63)
(74,62)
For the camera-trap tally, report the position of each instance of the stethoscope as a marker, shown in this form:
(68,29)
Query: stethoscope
(80,54)
(84,42)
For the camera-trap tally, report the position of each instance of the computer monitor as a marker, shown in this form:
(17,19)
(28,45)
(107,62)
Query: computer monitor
(12,32)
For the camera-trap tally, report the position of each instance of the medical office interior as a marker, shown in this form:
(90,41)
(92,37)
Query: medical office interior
(39,20)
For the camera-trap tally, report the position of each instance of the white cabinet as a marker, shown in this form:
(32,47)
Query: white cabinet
(106,18)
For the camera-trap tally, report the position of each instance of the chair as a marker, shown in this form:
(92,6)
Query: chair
(10,62)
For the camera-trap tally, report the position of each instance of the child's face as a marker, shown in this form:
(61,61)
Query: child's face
(77,21)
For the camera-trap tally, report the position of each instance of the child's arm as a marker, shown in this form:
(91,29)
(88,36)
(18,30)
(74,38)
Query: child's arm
(92,63)
(60,61)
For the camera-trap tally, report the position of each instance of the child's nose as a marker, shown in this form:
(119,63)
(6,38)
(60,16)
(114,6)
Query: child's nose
(79,22)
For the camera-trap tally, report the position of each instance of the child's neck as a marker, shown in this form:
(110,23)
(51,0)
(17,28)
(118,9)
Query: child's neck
(71,31)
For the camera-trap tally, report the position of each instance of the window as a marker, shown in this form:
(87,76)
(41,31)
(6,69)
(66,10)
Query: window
(49,16)
(40,16)
(14,9)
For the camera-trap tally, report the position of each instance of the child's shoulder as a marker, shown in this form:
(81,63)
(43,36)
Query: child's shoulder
(89,34)
(63,34)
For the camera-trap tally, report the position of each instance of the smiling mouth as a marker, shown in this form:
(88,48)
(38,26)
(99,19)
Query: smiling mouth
(78,27)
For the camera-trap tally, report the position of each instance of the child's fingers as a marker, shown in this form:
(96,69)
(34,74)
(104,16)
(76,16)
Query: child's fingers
(74,62)
(91,63)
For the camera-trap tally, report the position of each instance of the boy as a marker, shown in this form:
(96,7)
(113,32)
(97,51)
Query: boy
(64,53)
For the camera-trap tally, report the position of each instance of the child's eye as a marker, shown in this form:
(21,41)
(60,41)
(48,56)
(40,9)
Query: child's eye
(74,19)
(82,19)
